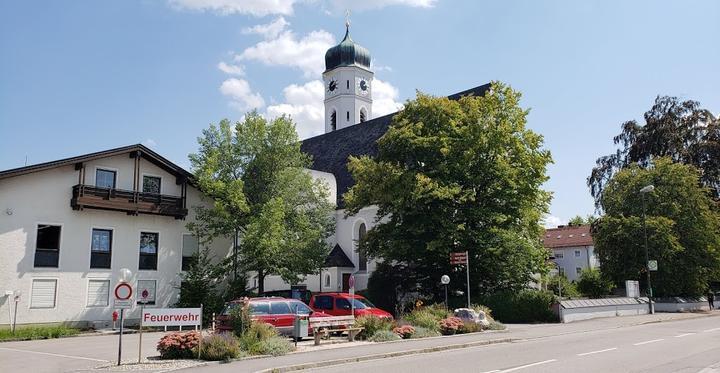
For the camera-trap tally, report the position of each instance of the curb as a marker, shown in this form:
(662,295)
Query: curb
(327,363)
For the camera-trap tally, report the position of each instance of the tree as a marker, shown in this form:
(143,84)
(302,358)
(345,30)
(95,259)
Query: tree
(264,196)
(454,176)
(680,130)
(683,228)
(592,284)
(561,286)
(579,220)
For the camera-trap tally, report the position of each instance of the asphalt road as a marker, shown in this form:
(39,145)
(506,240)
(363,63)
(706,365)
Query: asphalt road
(680,346)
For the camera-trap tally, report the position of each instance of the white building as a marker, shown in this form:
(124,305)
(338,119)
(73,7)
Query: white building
(67,227)
(572,249)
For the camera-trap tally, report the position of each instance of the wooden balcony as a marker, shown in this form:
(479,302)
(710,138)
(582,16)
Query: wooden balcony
(131,202)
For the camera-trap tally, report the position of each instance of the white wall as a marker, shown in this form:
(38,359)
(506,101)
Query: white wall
(44,197)
(570,262)
(345,99)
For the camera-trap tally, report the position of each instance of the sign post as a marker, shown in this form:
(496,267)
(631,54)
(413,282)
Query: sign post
(143,300)
(351,285)
(123,300)
(445,280)
(16,298)
(460,259)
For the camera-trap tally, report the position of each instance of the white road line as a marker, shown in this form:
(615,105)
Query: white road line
(646,342)
(683,335)
(529,365)
(597,352)
(711,330)
(47,353)
(492,371)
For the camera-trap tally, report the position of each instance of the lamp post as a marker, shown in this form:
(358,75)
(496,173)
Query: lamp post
(643,192)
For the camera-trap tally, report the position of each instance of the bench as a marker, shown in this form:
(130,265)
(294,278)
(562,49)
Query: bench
(327,325)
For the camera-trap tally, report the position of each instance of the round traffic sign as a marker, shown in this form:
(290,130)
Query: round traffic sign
(123,291)
(351,281)
(445,279)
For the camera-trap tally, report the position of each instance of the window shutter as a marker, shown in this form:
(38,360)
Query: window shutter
(43,294)
(98,293)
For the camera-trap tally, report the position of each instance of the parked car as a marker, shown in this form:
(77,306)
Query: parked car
(470,315)
(339,304)
(303,295)
(276,311)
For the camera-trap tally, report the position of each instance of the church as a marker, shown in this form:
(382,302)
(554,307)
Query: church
(350,130)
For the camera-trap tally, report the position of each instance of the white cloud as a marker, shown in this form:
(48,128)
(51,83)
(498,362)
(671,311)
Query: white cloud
(306,53)
(256,8)
(231,69)
(551,221)
(269,30)
(304,103)
(243,98)
(384,97)
(150,143)
(341,5)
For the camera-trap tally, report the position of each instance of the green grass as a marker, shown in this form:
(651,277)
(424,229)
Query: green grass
(25,333)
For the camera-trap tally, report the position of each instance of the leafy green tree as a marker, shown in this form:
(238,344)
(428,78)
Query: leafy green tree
(560,285)
(683,228)
(454,176)
(579,220)
(681,130)
(592,284)
(264,197)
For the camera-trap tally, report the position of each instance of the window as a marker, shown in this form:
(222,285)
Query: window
(577,253)
(342,304)
(148,251)
(561,270)
(348,84)
(363,115)
(47,246)
(348,116)
(101,248)
(146,291)
(578,270)
(327,280)
(323,302)
(559,255)
(362,258)
(151,184)
(300,308)
(98,293)
(105,178)
(333,121)
(189,249)
(259,309)
(279,308)
(43,294)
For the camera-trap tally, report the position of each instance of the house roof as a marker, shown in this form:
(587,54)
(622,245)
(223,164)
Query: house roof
(568,236)
(337,258)
(144,151)
(330,151)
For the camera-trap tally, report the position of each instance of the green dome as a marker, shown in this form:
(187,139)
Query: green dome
(347,53)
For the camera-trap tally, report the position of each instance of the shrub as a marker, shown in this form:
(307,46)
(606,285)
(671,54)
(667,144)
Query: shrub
(372,324)
(451,325)
(220,347)
(471,327)
(428,317)
(383,336)
(592,283)
(178,345)
(496,325)
(257,332)
(524,306)
(485,309)
(37,332)
(421,332)
(240,319)
(275,346)
(560,285)
(405,331)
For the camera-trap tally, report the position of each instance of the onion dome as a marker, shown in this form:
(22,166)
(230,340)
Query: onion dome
(347,53)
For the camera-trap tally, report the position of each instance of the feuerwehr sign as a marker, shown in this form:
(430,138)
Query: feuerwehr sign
(171,316)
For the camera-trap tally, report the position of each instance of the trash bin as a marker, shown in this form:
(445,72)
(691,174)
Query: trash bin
(300,327)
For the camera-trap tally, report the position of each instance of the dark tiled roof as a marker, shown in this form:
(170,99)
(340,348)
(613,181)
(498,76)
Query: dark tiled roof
(145,152)
(568,236)
(337,258)
(330,151)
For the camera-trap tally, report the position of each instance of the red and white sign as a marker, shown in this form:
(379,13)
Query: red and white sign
(171,316)
(458,258)
(123,291)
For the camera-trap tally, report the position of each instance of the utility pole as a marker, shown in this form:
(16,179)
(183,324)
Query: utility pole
(643,192)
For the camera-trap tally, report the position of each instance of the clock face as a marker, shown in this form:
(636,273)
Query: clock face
(332,86)
(363,86)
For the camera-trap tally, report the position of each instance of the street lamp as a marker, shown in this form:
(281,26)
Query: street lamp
(643,192)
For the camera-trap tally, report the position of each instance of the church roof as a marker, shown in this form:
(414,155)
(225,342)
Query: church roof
(330,151)
(337,258)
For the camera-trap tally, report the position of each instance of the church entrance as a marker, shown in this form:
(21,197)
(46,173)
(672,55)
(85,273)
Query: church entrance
(346,282)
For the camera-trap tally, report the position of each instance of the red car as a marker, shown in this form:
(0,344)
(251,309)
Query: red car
(276,311)
(338,304)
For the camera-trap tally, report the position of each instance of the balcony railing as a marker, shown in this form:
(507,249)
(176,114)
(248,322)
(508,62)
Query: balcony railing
(131,202)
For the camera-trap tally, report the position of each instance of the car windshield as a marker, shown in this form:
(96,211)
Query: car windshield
(300,308)
(361,303)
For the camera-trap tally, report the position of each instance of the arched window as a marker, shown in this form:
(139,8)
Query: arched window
(363,115)
(348,116)
(327,281)
(333,121)
(362,258)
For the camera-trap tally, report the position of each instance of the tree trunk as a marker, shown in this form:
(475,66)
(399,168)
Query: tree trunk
(235,255)
(261,282)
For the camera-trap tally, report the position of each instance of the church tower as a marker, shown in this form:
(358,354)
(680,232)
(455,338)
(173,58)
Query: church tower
(348,82)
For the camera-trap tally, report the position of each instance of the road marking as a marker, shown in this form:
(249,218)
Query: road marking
(492,371)
(57,355)
(650,341)
(529,365)
(597,352)
(683,335)
(711,330)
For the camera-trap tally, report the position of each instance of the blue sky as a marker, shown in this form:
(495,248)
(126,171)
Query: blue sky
(81,76)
